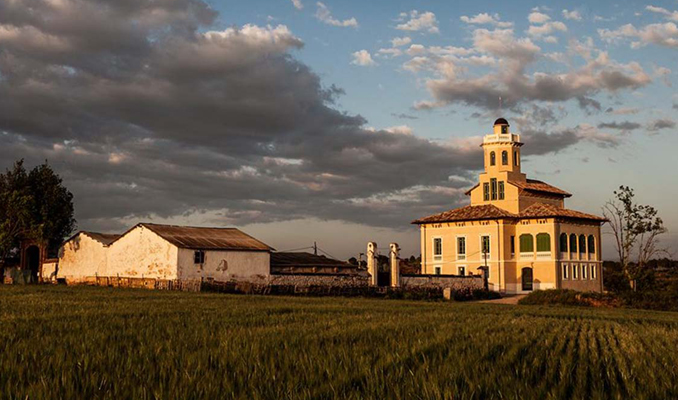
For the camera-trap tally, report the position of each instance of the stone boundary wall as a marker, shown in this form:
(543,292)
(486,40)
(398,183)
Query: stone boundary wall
(454,282)
(311,279)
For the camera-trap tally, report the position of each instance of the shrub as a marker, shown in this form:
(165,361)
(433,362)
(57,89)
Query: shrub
(568,297)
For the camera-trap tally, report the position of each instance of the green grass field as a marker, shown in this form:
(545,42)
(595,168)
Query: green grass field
(85,342)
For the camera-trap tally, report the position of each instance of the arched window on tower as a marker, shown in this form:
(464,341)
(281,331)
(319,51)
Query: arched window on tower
(493,158)
(563,242)
(582,244)
(504,157)
(573,243)
(592,245)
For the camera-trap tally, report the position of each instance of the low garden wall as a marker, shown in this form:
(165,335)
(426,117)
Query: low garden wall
(454,282)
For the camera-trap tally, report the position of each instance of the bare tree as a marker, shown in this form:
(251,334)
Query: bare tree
(636,227)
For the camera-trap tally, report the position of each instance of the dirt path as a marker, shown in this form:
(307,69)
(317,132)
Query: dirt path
(508,299)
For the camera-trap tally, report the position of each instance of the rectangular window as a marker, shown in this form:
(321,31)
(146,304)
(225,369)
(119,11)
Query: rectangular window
(462,271)
(575,271)
(199,257)
(566,274)
(493,188)
(437,246)
(513,245)
(593,271)
(438,270)
(584,271)
(486,191)
(485,245)
(501,190)
(461,248)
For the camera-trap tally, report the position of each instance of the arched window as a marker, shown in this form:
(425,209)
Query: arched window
(504,157)
(543,242)
(573,243)
(563,242)
(592,244)
(515,158)
(582,243)
(493,158)
(526,243)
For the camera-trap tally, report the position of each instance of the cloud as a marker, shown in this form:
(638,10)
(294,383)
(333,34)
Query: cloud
(539,31)
(537,17)
(363,58)
(671,15)
(451,83)
(623,111)
(485,18)
(323,14)
(622,126)
(665,34)
(148,110)
(572,15)
(420,22)
(660,124)
(404,116)
(298,4)
(400,41)
(545,143)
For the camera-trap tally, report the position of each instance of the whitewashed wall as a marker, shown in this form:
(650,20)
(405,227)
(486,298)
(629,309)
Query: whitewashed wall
(81,257)
(251,266)
(142,253)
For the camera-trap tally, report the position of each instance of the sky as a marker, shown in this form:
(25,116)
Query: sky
(337,122)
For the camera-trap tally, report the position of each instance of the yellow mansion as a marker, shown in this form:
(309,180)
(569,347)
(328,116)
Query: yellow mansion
(518,228)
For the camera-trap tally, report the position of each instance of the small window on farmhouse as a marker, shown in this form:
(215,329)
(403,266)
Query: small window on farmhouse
(486,191)
(566,270)
(437,246)
(563,242)
(526,243)
(504,157)
(493,158)
(592,245)
(461,246)
(582,243)
(501,190)
(462,271)
(573,243)
(543,242)
(199,257)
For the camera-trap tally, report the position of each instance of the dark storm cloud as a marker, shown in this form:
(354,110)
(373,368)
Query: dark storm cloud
(622,126)
(145,111)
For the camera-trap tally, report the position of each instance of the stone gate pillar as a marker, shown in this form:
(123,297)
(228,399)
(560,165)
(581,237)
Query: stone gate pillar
(395,265)
(372,262)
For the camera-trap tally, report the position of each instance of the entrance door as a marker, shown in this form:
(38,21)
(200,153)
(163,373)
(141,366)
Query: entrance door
(527,278)
(33,262)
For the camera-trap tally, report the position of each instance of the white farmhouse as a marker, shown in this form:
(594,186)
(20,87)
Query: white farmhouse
(166,252)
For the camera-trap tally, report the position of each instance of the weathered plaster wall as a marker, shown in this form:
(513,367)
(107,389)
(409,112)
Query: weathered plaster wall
(80,257)
(252,266)
(333,280)
(142,254)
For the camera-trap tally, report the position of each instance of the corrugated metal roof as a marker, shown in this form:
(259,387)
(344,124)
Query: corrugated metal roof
(103,238)
(200,238)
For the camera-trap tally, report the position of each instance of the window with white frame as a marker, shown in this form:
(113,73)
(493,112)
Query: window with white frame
(575,271)
(485,246)
(566,270)
(461,248)
(437,247)
(593,271)
(462,270)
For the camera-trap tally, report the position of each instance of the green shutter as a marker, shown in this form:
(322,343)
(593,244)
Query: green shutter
(526,243)
(543,242)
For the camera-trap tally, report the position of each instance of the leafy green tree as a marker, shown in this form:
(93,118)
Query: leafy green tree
(33,205)
(636,229)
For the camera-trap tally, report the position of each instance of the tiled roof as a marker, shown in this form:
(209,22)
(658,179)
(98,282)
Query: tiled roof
(541,210)
(467,213)
(103,238)
(537,210)
(534,185)
(284,259)
(199,238)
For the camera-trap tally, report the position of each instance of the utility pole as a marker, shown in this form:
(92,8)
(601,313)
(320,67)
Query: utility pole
(315,248)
